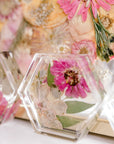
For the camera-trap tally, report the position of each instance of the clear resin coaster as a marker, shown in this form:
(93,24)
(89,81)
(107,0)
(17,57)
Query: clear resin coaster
(61,94)
(106,74)
(10,78)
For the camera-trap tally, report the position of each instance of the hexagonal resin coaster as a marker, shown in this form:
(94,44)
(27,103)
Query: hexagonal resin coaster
(10,78)
(61,94)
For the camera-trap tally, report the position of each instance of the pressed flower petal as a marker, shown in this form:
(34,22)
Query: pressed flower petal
(81,9)
(57,68)
(55,71)
(104,5)
(66,5)
(77,94)
(59,80)
(74,9)
(110,1)
(84,16)
(68,91)
(81,91)
(65,64)
(60,84)
(11,110)
(3,102)
(1,96)
(73,93)
(2,109)
(94,8)
(85,11)
(84,84)
(63,86)
(70,7)
(56,64)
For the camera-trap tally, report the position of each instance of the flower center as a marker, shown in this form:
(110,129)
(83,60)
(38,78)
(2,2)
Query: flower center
(83,50)
(106,22)
(84,0)
(71,77)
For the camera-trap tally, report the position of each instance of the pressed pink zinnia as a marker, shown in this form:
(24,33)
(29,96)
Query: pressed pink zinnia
(84,47)
(68,77)
(70,7)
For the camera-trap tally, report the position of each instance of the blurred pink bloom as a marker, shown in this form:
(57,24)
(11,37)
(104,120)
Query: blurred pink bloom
(69,78)
(23,59)
(6,112)
(84,47)
(111,57)
(70,7)
(7,8)
(10,29)
(11,111)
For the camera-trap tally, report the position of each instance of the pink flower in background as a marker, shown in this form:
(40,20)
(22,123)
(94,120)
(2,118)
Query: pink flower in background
(69,78)
(23,59)
(7,8)
(84,47)
(10,29)
(70,7)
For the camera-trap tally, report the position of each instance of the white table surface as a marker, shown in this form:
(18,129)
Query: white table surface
(21,132)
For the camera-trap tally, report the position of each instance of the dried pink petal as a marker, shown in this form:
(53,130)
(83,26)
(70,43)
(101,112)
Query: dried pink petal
(70,7)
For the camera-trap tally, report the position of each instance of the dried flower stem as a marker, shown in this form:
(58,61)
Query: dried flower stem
(102,39)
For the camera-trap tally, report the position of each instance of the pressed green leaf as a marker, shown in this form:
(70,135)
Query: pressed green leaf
(67,121)
(76,106)
(50,77)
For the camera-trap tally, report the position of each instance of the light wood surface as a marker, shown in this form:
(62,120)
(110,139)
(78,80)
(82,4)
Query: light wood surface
(102,126)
